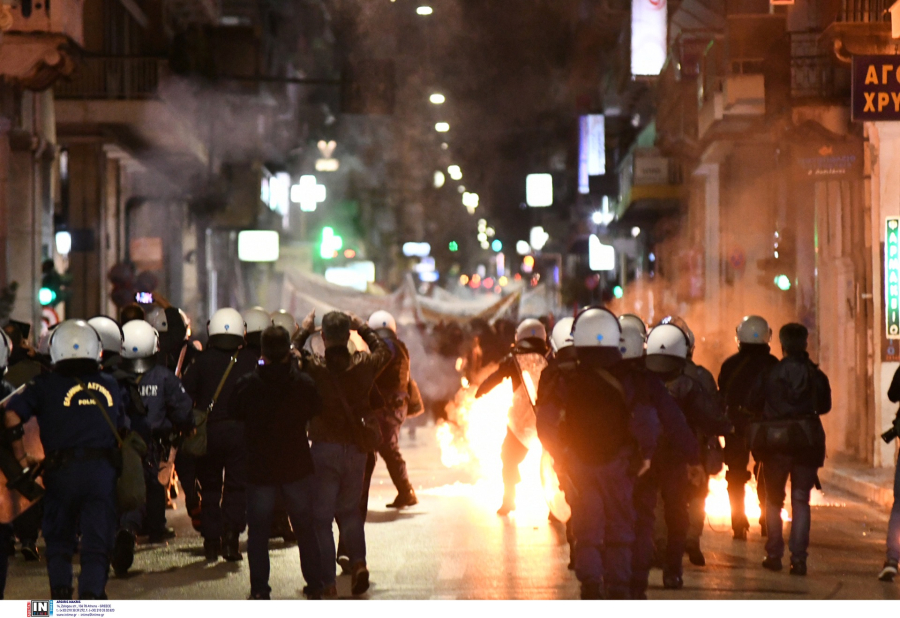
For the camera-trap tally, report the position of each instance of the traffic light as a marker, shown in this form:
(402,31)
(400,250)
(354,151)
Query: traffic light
(331,243)
(453,246)
(54,286)
(779,269)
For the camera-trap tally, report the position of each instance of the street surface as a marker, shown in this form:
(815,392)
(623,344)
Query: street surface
(453,546)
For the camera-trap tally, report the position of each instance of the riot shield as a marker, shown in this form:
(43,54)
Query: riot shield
(12,502)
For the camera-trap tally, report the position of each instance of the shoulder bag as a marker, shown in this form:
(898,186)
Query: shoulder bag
(131,486)
(195,444)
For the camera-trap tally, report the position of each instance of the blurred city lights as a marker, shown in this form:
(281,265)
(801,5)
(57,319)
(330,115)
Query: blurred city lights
(437,98)
(482,237)
(349,254)
(497,246)
(485,245)
(439,179)
(488,283)
(308,193)
(63,243)
(258,246)
(523,248)
(453,246)
(783,282)
(490,232)
(503,281)
(618,292)
(331,243)
(424,10)
(600,256)
(538,238)
(463,279)
(539,190)
(455,172)
(635,232)
(470,200)
(442,127)
(528,264)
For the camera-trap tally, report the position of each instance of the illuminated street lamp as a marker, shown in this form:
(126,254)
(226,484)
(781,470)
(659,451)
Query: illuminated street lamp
(437,98)
(424,10)
(442,127)
(455,172)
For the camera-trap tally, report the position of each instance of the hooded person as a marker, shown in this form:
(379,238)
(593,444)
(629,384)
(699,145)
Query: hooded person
(523,365)
(209,380)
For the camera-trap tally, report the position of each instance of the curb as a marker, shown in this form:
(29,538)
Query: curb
(846,481)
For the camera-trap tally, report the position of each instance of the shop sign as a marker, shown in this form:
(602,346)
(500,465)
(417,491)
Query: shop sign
(828,160)
(875,93)
(892,277)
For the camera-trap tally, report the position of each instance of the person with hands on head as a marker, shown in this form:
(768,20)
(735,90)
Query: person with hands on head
(339,449)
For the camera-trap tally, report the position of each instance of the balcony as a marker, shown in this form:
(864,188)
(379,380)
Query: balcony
(117,78)
(39,44)
(121,95)
(815,73)
(862,27)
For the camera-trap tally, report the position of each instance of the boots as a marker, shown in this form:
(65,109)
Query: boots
(123,553)
(406,497)
(360,579)
(211,549)
(231,550)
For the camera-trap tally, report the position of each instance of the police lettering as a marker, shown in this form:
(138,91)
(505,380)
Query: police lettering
(149,390)
(93,386)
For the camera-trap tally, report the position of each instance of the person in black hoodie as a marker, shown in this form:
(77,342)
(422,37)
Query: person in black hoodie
(794,390)
(275,403)
(738,374)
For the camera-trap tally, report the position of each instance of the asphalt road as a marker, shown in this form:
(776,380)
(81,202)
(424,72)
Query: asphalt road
(453,546)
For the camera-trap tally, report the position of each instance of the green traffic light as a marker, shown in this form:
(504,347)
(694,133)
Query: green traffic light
(46,296)
(618,292)
(453,246)
(783,283)
(331,243)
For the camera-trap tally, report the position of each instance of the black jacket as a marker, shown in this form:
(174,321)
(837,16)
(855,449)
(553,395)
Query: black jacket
(202,377)
(793,388)
(391,392)
(275,402)
(737,376)
(354,374)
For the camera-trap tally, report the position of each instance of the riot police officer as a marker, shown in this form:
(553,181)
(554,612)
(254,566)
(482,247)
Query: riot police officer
(739,372)
(286,321)
(79,410)
(222,472)
(527,356)
(176,352)
(667,353)
(164,408)
(390,397)
(111,340)
(257,320)
(584,419)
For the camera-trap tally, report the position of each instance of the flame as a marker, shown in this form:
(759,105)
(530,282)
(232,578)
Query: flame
(471,442)
(718,505)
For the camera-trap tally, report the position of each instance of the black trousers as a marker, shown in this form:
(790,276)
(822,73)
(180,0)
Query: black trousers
(223,480)
(737,458)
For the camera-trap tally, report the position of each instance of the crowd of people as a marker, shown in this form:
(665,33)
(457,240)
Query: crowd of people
(274,427)
(263,433)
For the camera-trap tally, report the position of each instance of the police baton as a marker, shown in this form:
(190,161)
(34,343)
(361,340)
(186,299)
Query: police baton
(4,401)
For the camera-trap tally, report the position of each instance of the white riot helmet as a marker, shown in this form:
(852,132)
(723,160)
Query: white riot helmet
(226,321)
(75,340)
(382,319)
(632,342)
(561,335)
(668,348)
(285,320)
(257,320)
(159,321)
(596,328)
(531,329)
(681,324)
(754,329)
(152,313)
(139,346)
(630,319)
(109,331)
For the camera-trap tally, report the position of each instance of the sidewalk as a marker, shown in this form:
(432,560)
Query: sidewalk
(873,484)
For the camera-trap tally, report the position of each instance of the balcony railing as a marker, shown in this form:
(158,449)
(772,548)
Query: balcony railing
(813,72)
(864,11)
(111,77)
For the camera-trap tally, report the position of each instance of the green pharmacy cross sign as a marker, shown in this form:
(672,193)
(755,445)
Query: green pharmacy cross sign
(892,277)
